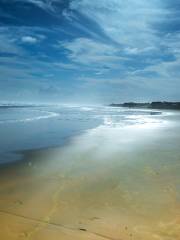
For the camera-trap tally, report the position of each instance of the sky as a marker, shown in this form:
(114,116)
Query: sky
(89,51)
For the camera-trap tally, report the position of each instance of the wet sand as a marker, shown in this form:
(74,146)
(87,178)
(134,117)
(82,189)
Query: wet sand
(112,182)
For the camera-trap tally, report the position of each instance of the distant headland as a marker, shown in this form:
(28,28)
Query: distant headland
(152,105)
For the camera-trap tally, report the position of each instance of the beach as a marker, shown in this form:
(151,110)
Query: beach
(89,120)
(118,180)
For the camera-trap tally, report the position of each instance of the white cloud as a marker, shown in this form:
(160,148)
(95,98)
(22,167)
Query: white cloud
(132,24)
(90,52)
(29,39)
(126,22)
(164,70)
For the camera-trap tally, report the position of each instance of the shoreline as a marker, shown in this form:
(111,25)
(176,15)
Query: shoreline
(116,187)
(24,153)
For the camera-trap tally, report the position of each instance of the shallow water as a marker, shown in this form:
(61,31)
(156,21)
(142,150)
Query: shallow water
(34,127)
(119,180)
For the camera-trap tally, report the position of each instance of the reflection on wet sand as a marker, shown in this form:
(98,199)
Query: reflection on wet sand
(113,182)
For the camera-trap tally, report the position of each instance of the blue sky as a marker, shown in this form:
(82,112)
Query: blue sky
(89,51)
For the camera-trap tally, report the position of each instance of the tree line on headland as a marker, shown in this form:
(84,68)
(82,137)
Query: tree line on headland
(152,105)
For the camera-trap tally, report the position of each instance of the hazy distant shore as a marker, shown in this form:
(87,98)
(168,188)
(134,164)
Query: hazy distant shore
(153,105)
